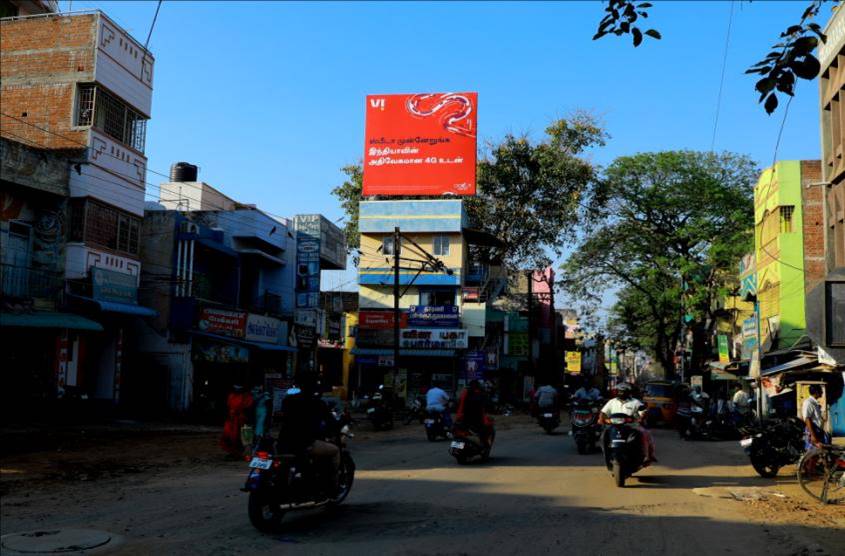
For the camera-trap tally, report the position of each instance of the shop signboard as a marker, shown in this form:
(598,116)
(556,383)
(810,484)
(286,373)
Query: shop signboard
(380,320)
(491,362)
(420,144)
(724,354)
(222,322)
(108,285)
(696,380)
(307,317)
(573,362)
(260,328)
(307,284)
(427,338)
(368,337)
(220,353)
(517,344)
(749,337)
(305,336)
(445,316)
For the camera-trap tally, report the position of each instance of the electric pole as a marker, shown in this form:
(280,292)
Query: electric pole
(397,239)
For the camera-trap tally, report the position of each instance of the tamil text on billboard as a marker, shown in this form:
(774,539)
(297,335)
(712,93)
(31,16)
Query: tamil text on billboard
(421,144)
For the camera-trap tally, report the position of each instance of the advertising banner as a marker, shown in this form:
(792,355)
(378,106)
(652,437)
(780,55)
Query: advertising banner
(434,339)
(434,315)
(573,362)
(380,320)
(220,353)
(749,337)
(474,365)
(307,261)
(305,336)
(266,329)
(420,144)
(517,345)
(374,337)
(225,323)
(724,353)
(108,285)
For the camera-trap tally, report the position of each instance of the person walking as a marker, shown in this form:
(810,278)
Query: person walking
(812,414)
(238,404)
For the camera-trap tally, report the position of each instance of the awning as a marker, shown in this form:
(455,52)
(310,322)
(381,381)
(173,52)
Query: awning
(270,347)
(217,246)
(406,352)
(261,254)
(46,319)
(116,307)
(266,346)
(793,364)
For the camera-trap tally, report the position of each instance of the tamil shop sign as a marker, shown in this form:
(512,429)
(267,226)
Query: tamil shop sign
(108,285)
(420,144)
(445,316)
(305,336)
(266,329)
(428,338)
(307,261)
(225,323)
(380,320)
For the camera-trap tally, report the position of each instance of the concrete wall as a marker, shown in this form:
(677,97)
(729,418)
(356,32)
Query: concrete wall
(375,268)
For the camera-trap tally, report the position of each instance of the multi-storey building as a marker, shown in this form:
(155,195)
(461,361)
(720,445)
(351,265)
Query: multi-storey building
(79,81)
(432,337)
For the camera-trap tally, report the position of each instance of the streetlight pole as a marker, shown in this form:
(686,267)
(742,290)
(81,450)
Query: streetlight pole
(397,239)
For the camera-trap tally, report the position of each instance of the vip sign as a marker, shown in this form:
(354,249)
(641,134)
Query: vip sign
(420,144)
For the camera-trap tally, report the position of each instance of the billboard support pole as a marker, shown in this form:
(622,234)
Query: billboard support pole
(397,238)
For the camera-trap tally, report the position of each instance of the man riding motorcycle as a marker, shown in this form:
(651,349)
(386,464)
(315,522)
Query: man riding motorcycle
(587,392)
(305,421)
(471,413)
(624,402)
(547,398)
(437,402)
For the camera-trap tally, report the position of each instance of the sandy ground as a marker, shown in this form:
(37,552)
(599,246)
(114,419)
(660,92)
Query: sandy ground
(171,492)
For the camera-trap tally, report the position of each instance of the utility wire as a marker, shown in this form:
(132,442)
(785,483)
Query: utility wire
(722,78)
(153,24)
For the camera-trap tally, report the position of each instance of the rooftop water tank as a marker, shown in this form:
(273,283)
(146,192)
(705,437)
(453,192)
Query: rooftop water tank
(183,171)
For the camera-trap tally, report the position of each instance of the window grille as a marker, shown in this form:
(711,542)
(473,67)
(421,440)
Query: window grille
(441,246)
(387,246)
(786,219)
(85,105)
(105,226)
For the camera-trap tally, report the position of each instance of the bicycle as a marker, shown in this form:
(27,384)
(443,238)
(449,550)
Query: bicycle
(821,473)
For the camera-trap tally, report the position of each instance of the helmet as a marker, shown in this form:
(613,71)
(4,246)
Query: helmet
(624,389)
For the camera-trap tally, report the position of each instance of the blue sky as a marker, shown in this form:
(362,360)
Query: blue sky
(268,98)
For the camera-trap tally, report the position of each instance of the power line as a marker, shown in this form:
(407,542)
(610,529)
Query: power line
(722,78)
(152,25)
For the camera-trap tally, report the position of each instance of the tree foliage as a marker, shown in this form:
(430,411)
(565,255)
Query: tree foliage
(671,229)
(791,57)
(528,193)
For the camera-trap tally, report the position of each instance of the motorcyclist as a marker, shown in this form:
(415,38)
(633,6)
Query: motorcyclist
(306,421)
(437,402)
(699,397)
(471,414)
(624,402)
(587,393)
(547,399)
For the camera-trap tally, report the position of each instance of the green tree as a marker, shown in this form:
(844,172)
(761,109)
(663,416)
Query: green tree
(791,57)
(670,231)
(528,193)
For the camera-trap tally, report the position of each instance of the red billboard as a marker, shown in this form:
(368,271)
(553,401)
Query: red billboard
(380,320)
(421,144)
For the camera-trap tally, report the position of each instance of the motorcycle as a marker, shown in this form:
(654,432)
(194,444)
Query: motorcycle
(585,428)
(467,445)
(378,412)
(416,412)
(548,420)
(622,447)
(693,422)
(435,426)
(774,444)
(278,483)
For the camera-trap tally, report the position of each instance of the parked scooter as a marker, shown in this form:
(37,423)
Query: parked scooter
(466,445)
(278,483)
(622,447)
(586,430)
(774,444)
(379,412)
(548,419)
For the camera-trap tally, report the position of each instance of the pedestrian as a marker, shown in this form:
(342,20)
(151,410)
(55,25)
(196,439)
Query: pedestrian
(263,402)
(812,414)
(238,404)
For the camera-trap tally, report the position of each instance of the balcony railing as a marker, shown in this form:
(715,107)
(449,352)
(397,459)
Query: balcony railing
(25,282)
(268,303)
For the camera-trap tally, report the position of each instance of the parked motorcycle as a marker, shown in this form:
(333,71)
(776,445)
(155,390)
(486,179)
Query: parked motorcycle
(379,412)
(416,412)
(278,483)
(774,444)
(586,430)
(466,445)
(548,420)
(622,447)
(435,426)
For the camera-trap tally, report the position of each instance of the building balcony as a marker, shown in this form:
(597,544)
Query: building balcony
(28,283)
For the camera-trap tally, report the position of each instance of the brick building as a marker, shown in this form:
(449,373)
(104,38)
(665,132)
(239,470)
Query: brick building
(79,81)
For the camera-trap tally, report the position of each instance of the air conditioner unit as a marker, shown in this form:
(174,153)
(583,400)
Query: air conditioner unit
(189,228)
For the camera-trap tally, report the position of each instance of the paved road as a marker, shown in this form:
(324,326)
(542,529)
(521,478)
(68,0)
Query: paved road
(535,496)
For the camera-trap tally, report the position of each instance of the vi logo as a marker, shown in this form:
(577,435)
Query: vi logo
(377,103)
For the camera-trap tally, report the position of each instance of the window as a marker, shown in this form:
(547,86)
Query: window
(786,219)
(441,246)
(105,226)
(99,108)
(387,246)
(437,297)
(835,313)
